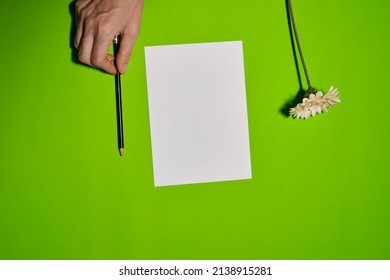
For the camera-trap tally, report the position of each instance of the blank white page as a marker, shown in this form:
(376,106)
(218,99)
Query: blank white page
(198,113)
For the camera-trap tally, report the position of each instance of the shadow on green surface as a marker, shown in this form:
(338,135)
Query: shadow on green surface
(74,54)
(292,102)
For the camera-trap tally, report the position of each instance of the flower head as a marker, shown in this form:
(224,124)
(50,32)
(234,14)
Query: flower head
(315,102)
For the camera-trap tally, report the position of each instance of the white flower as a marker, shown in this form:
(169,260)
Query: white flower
(315,104)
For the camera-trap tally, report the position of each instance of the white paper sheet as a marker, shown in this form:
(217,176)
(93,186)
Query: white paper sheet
(198,113)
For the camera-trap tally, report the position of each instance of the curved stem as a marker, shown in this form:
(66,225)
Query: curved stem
(298,43)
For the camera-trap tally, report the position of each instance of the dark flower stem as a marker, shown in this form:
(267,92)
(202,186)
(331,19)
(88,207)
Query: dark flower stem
(298,43)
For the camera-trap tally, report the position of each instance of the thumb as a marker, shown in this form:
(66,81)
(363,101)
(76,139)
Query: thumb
(125,50)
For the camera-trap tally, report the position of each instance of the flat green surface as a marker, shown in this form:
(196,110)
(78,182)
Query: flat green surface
(320,187)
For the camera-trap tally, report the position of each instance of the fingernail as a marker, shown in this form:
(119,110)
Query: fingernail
(124,65)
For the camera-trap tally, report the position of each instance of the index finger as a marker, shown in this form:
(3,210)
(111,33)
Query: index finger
(99,55)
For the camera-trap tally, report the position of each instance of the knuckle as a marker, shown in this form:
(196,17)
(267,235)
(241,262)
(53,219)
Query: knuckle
(103,28)
(82,12)
(77,5)
(95,61)
(82,6)
(83,58)
(134,31)
(89,23)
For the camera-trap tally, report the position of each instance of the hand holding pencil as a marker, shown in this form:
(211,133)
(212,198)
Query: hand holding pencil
(98,22)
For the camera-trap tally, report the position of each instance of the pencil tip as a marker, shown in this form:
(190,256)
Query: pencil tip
(121,150)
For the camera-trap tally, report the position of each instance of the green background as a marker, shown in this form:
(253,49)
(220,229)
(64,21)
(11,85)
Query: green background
(320,187)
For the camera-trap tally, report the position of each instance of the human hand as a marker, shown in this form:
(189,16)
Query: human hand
(98,22)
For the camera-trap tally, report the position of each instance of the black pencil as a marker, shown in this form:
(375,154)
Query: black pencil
(118,91)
